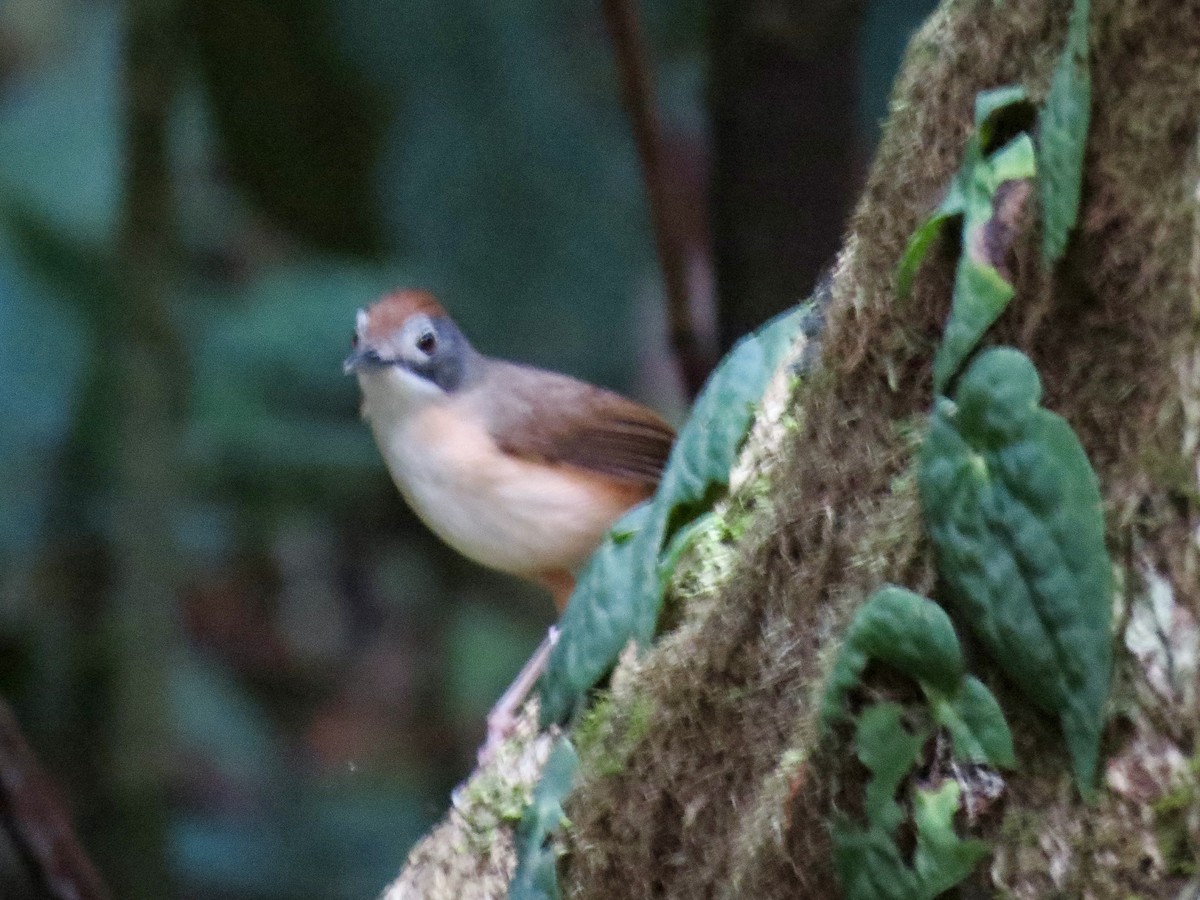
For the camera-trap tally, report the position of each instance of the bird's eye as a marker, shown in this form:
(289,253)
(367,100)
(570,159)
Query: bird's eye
(354,341)
(427,342)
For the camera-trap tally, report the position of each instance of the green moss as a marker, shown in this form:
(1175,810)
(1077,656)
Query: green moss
(610,731)
(1172,472)
(1022,827)
(711,554)
(1173,816)
(596,722)
(495,798)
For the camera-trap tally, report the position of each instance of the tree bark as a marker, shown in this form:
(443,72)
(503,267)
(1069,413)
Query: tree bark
(709,779)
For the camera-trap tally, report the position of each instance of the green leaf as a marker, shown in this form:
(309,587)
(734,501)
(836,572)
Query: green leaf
(1014,511)
(536,875)
(980,295)
(904,630)
(990,106)
(613,592)
(942,859)
(976,724)
(708,444)
(980,292)
(683,539)
(1062,137)
(889,751)
(1014,160)
(952,205)
(619,593)
(869,865)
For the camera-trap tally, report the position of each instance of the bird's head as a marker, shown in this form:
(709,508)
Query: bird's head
(406,351)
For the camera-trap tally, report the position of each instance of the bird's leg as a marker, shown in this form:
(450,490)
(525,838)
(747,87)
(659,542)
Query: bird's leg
(503,718)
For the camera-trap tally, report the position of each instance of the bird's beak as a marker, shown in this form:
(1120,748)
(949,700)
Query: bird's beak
(362,358)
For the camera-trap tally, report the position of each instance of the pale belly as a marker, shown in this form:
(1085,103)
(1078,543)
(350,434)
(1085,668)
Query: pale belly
(505,513)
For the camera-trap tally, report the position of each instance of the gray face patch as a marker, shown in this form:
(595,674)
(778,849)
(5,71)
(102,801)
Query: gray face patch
(431,348)
(449,362)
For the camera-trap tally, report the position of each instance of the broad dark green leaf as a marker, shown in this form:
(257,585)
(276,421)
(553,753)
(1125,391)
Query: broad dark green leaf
(619,593)
(980,292)
(1014,511)
(889,751)
(708,443)
(904,630)
(942,858)
(1062,137)
(536,876)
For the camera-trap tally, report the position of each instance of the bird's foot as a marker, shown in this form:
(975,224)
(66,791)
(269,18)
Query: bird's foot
(505,716)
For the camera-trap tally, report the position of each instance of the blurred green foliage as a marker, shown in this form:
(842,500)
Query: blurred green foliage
(337,658)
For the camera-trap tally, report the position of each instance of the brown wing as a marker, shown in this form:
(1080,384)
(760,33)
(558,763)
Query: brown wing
(554,418)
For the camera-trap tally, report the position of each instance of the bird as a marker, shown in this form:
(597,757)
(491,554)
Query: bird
(519,469)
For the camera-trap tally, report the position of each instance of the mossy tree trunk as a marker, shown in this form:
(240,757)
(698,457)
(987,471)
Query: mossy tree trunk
(707,778)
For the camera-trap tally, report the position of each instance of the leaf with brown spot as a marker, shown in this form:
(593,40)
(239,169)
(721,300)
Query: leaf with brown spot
(981,288)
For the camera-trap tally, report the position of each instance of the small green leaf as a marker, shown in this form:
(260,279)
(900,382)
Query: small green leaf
(619,593)
(889,751)
(684,538)
(980,295)
(536,875)
(980,292)
(989,107)
(942,859)
(990,104)
(904,630)
(952,205)
(1062,137)
(1014,160)
(1014,511)
(976,725)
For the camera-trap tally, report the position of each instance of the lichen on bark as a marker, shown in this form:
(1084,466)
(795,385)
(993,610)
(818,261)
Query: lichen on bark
(726,791)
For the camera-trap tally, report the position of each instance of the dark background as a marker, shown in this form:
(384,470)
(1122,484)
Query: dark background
(249,668)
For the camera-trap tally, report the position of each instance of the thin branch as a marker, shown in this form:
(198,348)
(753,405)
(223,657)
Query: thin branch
(33,814)
(637,90)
